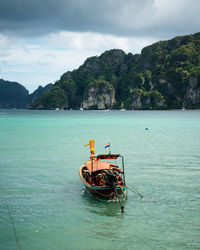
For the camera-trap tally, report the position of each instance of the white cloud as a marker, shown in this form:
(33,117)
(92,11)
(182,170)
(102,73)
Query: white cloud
(42,40)
(95,42)
(176,17)
(43,60)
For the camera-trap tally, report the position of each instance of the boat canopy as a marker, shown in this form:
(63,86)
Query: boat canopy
(108,156)
(98,165)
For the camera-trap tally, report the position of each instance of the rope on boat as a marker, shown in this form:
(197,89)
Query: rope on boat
(122,207)
(124,196)
(135,191)
(12,221)
(122,192)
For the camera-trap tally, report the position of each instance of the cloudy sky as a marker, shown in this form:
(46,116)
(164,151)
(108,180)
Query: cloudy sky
(42,39)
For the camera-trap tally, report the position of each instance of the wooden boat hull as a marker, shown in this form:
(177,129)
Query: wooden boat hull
(104,192)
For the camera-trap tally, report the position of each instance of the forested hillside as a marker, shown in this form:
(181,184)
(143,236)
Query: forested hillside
(14,95)
(166,75)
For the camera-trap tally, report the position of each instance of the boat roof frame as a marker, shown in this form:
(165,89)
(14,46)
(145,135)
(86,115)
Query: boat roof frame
(107,156)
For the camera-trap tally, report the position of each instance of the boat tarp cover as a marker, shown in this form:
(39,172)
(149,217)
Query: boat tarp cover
(98,165)
(109,156)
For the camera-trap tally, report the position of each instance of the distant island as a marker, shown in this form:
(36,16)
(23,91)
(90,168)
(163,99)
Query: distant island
(166,75)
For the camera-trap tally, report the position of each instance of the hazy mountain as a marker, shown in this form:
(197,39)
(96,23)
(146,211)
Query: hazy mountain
(14,95)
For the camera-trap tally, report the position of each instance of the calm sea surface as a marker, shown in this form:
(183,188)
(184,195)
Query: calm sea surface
(44,206)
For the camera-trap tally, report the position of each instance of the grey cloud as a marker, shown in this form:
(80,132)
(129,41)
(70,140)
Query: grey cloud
(117,17)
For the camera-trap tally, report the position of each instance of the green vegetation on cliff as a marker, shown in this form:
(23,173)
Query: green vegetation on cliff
(54,98)
(98,95)
(14,95)
(165,75)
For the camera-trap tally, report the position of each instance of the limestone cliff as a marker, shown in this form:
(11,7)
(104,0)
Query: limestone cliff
(99,95)
(192,97)
(146,100)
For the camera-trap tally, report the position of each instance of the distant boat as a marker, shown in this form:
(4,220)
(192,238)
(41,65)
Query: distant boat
(122,109)
(104,179)
(183,108)
(57,109)
(81,108)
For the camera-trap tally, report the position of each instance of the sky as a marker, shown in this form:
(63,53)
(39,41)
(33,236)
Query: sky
(42,39)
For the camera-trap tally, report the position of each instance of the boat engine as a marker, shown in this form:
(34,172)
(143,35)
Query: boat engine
(110,178)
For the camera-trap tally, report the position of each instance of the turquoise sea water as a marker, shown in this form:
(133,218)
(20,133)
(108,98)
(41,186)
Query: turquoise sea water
(44,206)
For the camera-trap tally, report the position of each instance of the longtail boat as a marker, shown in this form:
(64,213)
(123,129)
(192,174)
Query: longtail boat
(104,178)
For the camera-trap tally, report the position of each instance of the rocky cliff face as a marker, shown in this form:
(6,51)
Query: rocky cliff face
(192,97)
(148,100)
(99,95)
